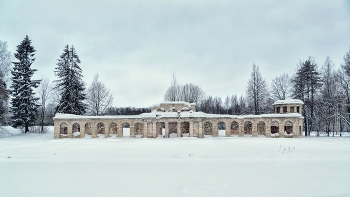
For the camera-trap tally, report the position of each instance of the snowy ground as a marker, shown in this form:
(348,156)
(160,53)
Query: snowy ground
(38,165)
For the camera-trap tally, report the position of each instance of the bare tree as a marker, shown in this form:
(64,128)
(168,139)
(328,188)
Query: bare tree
(99,98)
(189,92)
(281,87)
(44,90)
(256,91)
(5,64)
(174,91)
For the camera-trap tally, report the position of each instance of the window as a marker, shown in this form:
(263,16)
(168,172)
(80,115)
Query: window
(291,109)
(298,109)
(285,109)
(278,110)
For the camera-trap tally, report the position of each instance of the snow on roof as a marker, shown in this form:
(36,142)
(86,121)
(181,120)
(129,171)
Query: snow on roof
(173,102)
(186,114)
(288,101)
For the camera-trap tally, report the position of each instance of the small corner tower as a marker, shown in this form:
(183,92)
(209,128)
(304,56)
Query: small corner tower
(288,106)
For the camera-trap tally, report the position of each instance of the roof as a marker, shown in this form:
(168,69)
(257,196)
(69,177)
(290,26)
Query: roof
(186,114)
(288,101)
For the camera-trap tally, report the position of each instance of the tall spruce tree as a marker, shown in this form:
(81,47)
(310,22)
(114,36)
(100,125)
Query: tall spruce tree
(23,102)
(307,82)
(70,83)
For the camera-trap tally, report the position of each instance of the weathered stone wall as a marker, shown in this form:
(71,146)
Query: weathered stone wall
(197,127)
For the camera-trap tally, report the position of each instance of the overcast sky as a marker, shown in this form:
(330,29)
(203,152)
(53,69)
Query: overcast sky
(135,46)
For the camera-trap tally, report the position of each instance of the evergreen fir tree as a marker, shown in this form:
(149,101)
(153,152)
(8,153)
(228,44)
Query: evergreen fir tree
(23,102)
(307,82)
(70,83)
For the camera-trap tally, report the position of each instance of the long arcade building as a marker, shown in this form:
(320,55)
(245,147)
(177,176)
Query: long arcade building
(181,119)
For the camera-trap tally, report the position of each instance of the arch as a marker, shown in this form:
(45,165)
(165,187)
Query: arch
(172,109)
(113,129)
(221,128)
(274,127)
(160,127)
(138,128)
(76,129)
(185,129)
(208,128)
(248,127)
(172,128)
(288,127)
(261,128)
(100,128)
(88,130)
(63,128)
(184,109)
(234,128)
(125,129)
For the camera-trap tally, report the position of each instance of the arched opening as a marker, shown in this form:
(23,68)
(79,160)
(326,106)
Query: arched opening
(208,129)
(234,128)
(88,130)
(172,129)
(138,127)
(76,129)
(160,127)
(185,109)
(63,129)
(172,109)
(100,129)
(274,129)
(288,128)
(261,128)
(160,110)
(185,129)
(113,129)
(126,129)
(248,127)
(222,129)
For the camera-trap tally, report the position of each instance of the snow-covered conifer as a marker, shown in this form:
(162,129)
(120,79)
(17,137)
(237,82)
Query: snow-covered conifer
(70,83)
(23,102)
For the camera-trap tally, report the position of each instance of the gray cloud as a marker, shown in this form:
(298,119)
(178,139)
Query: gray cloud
(135,45)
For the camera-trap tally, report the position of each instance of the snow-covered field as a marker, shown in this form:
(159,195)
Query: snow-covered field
(38,165)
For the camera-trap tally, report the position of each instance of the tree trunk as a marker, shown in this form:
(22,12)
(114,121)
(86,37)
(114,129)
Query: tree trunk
(26,128)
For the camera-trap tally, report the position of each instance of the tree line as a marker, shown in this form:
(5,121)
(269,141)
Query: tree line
(323,89)
(26,102)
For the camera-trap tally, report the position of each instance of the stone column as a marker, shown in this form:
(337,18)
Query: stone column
(200,129)
(145,130)
(215,130)
(191,128)
(82,129)
(281,130)
(119,131)
(241,131)
(268,130)
(56,130)
(295,131)
(93,130)
(154,129)
(227,130)
(166,128)
(132,131)
(254,130)
(179,129)
(70,130)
